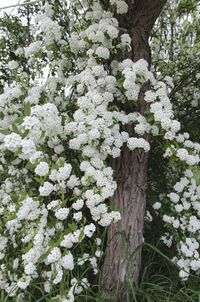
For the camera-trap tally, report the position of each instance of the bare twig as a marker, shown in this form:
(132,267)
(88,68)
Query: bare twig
(23,4)
(182,81)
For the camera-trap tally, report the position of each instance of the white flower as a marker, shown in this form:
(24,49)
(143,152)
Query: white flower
(24,282)
(98,241)
(33,48)
(53,204)
(78,204)
(78,216)
(157,205)
(105,220)
(54,255)
(182,154)
(183,275)
(176,223)
(134,143)
(112,32)
(167,239)
(68,262)
(125,39)
(62,213)
(89,230)
(42,169)
(175,126)
(64,172)
(46,189)
(116,216)
(174,197)
(168,153)
(13,65)
(168,219)
(30,269)
(58,277)
(67,241)
(102,52)
(122,7)
(12,142)
(178,208)
(28,148)
(3,242)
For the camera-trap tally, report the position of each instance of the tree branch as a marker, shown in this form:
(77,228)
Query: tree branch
(145,13)
(182,81)
(23,4)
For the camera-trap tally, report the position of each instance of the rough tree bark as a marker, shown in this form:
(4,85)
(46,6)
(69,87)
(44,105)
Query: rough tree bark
(123,260)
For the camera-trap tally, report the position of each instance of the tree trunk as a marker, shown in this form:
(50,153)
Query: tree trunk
(122,262)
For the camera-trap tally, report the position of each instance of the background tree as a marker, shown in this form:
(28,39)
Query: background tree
(15,29)
(123,258)
(175,45)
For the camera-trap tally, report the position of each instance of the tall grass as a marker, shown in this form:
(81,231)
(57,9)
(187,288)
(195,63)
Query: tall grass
(159,283)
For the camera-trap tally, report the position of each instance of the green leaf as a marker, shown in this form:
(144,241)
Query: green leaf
(5,131)
(26,132)
(39,180)
(14,197)
(19,120)
(196,173)
(73,227)
(44,256)
(172,150)
(27,248)
(81,236)
(15,129)
(1,115)
(27,109)
(30,166)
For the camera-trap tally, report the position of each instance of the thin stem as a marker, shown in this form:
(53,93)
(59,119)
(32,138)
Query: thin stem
(23,4)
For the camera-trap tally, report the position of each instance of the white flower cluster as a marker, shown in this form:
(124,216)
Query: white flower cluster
(122,7)
(33,48)
(10,105)
(57,197)
(161,108)
(50,29)
(134,143)
(184,221)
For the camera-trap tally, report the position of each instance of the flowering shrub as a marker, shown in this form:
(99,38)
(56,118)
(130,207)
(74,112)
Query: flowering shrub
(56,136)
(181,218)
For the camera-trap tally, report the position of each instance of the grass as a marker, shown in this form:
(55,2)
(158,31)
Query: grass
(159,283)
